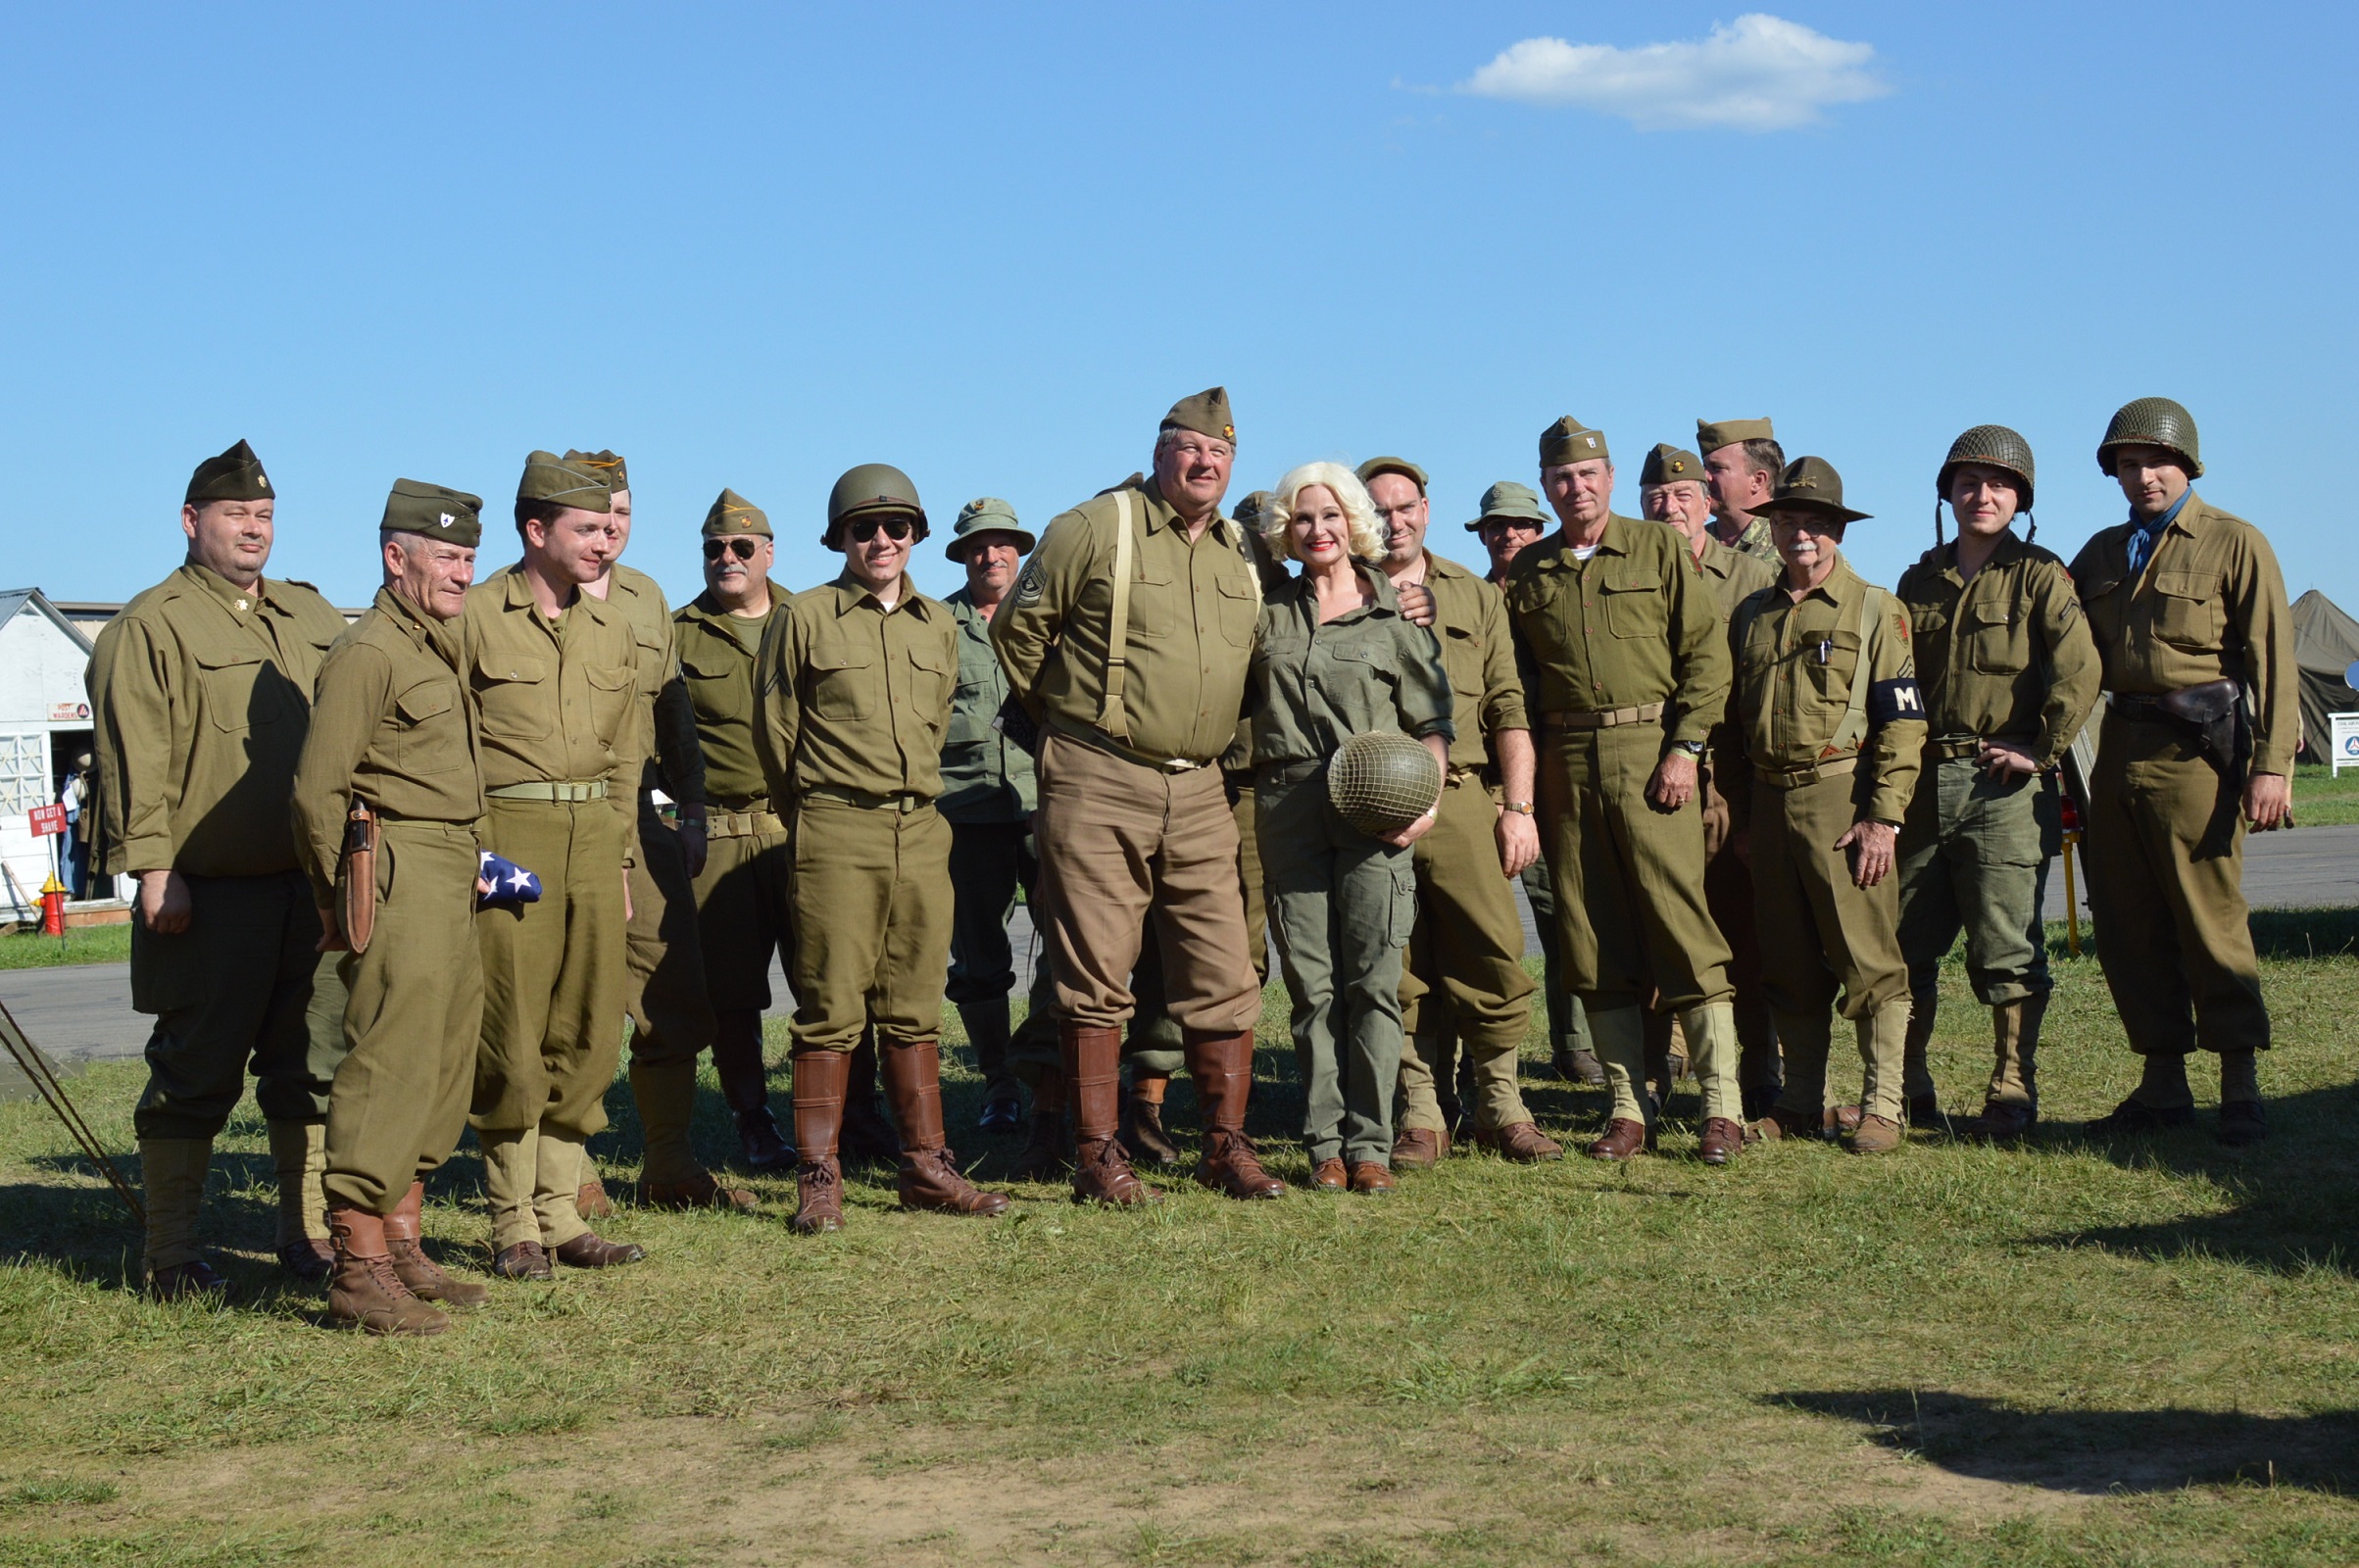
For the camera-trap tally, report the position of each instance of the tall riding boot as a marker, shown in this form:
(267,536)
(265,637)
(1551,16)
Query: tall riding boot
(403,1229)
(1050,1153)
(820,1077)
(1092,1064)
(930,1177)
(298,1156)
(744,1084)
(172,1171)
(366,1293)
(1883,1046)
(2011,1104)
(1620,1038)
(986,1025)
(1142,1131)
(1222,1066)
(1916,1070)
(866,1135)
(1712,1052)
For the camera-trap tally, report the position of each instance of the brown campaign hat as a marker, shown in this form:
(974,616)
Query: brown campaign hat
(1711,437)
(609,463)
(733,513)
(1670,465)
(566,483)
(1399,466)
(1568,440)
(1812,484)
(452,517)
(235,475)
(1206,414)
(1519,503)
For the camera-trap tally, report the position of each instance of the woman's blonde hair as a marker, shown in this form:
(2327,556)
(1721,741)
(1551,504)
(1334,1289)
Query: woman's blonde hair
(1360,513)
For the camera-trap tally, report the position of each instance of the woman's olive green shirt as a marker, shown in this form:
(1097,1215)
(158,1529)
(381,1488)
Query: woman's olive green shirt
(1367,670)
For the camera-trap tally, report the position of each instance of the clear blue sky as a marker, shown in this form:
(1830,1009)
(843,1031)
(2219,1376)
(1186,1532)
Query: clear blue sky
(753,246)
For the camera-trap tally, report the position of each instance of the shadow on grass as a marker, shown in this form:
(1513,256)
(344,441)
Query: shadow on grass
(2305,933)
(2099,1452)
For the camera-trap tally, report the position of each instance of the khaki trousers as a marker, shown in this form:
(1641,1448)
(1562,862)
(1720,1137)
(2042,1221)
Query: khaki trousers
(2166,886)
(412,1019)
(1154,1045)
(872,919)
(745,915)
(665,997)
(1820,934)
(1463,977)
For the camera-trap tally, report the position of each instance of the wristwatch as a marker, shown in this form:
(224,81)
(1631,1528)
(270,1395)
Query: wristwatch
(1519,808)
(1691,748)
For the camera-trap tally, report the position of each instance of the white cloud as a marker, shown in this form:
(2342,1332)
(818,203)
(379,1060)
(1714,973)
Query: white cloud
(1758,72)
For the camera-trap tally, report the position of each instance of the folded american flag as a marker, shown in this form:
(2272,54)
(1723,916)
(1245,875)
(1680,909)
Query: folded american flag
(510,883)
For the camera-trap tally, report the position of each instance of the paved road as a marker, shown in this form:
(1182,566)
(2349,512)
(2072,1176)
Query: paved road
(84,1012)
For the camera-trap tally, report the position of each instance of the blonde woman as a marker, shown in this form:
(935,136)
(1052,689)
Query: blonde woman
(1336,657)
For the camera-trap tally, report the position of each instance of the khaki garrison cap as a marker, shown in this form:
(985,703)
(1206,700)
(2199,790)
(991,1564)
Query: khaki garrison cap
(1670,465)
(1206,414)
(451,516)
(1399,466)
(733,513)
(1568,440)
(986,514)
(1510,502)
(571,484)
(609,463)
(235,475)
(1711,438)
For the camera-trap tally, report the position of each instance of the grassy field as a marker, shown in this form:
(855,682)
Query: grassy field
(2320,798)
(95,944)
(2071,1353)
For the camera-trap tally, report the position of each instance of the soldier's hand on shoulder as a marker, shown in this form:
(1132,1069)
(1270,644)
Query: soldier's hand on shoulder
(1416,603)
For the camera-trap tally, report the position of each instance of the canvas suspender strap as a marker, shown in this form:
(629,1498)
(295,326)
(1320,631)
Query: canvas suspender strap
(1110,716)
(1867,617)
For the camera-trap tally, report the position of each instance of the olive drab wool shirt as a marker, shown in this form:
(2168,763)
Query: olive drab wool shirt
(201,694)
(1194,605)
(2210,605)
(856,697)
(1796,664)
(1633,624)
(1471,621)
(985,776)
(2005,655)
(391,724)
(1368,668)
(1733,576)
(555,702)
(718,651)
(666,718)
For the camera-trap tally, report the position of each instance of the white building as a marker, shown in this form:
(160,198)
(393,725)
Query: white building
(45,725)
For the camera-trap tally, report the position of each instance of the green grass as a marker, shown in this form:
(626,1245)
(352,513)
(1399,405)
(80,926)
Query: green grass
(2321,800)
(95,944)
(2066,1353)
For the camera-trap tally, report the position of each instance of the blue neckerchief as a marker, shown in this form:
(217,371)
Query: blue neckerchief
(2142,539)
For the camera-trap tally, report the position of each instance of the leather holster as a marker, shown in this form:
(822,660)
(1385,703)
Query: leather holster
(355,876)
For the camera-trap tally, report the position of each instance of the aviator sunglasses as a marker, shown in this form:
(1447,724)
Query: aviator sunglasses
(742,549)
(896,529)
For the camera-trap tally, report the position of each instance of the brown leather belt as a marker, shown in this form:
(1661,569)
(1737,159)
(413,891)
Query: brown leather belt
(1601,718)
(1795,778)
(1949,747)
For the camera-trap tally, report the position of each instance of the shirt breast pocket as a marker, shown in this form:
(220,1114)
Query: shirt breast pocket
(1153,601)
(1462,659)
(237,690)
(843,682)
(1634,603)
(612,692)
(513,693)
(933,682)
(651,658)
(1998,640)
(720,694)
(1826,683)
(2187,612)
(428,738)
(1369,681)
(1240,609)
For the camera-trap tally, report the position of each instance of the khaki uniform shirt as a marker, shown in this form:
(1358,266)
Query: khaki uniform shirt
(985,776)
(1633,624)
(391,724)
(856,697)
(1369,669)
(1471,621)
(2210,605)
(666,717)
(1194,605)
(2005,656)
(718,651)
(555,702)
(1733,576)
(1790,700)
(201,693)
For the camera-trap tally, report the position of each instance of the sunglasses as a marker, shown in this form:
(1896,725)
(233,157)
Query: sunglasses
(742,549)
(896,529)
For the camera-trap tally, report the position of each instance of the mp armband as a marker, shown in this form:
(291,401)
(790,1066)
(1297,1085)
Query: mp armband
(1890,700)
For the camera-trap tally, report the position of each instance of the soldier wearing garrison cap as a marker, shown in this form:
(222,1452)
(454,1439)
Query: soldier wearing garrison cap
(1128,640)
(1673,488)
(1743,460)
(1827,710)
(200,692)
(552,671)
(2188,611)
(389,778)
(2009,674)
(1630,671)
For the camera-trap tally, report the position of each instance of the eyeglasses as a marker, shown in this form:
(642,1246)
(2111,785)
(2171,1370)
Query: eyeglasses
(742,549)
(896,529)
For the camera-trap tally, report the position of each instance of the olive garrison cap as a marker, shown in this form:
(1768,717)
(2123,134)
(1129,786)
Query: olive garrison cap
(2143,422)
(1518,503)
(566,483)
(1249,511)
(235,475)
(1399,466)
(1993,446)
(1206,414)
(986,514)
(733,513)
(1670,465)
(609,463)
(1812,484)
(1710,438)
(1568,440)
(452,517)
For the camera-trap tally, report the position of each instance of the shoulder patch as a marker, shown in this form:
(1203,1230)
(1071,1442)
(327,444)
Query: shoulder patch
(1900,625)
(1032,584)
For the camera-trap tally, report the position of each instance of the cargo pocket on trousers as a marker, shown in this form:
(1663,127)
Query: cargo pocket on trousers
(1404,897)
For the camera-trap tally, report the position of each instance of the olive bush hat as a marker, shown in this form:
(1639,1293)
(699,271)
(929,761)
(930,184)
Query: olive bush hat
(986,514)
(1670,465)
(452,517)
(609,463)
(732,514)
(870,488)
(1512,501)
(1568,440)
(234,475)
(565,482)
(1399,466)
(1812,484)
(2148,422)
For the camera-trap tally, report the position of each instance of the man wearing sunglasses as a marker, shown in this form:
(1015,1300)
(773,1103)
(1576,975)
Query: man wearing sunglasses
(856,685)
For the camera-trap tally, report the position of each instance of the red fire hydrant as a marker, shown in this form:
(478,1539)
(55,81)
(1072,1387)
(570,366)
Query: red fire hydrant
(53,907)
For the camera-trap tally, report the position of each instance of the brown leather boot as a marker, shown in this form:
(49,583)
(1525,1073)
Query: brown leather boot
(865,1134)
(930,1177)
(745,1086)
(1049,1155)
(819,1078)
(366,1293)
(1420,1147)
(1102,1173)
(1222,1066)
(1622,1139)
(419,1272)
(1142,1132)
(1522,1142)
